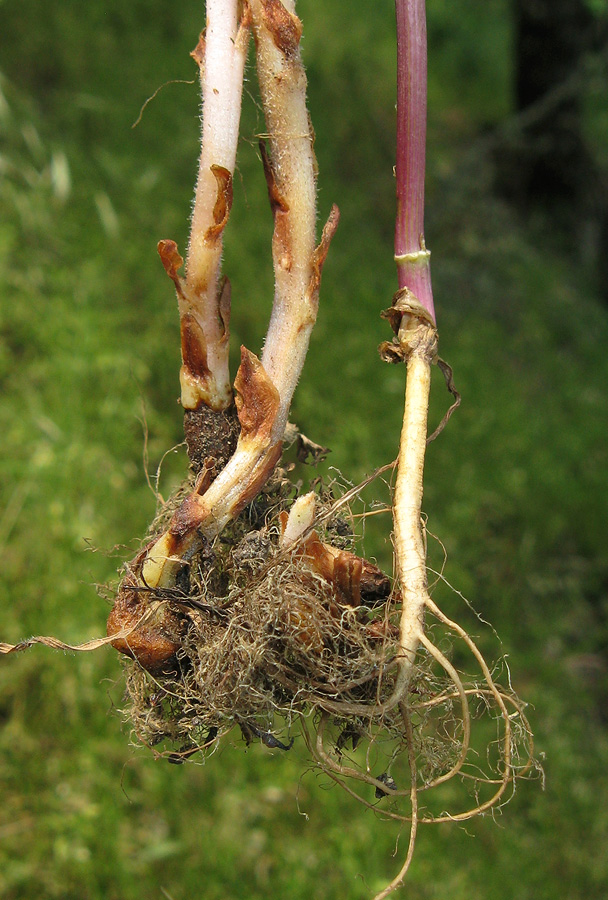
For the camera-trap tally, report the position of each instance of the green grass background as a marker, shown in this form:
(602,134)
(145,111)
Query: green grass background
(515,487)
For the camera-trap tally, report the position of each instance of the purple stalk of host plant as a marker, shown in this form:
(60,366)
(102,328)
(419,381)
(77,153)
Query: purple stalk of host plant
(413,321)
(411,255)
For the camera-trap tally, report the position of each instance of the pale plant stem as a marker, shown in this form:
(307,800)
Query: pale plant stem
(410,555)
(221,75)
(417,341)
(204,303)
(292,169)
(291,174)
(207,515)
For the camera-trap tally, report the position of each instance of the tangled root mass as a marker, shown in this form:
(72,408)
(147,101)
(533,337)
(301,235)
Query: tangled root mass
(267,641)
(263,637)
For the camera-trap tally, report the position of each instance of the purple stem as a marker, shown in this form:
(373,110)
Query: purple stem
(413,267)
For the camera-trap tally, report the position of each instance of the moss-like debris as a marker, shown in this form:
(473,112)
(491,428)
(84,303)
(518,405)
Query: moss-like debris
(262,637)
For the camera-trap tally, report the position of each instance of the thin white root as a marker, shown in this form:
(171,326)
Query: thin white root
(399,877)
(466,716)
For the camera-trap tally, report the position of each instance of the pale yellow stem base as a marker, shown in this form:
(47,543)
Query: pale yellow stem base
(418,341)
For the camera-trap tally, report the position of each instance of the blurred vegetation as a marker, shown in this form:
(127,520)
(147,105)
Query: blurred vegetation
(516,486)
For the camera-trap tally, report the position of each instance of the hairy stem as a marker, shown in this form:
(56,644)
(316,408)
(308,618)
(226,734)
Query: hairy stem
(290,168)
(203,298)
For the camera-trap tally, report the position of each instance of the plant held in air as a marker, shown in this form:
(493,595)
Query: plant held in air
(248,605)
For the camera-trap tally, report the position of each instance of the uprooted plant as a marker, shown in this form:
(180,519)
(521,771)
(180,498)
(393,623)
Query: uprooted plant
(248,607)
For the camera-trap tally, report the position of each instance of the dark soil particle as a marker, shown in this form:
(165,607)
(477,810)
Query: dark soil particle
(210,434)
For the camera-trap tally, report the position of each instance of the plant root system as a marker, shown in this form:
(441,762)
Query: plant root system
(277,640)
(256,633)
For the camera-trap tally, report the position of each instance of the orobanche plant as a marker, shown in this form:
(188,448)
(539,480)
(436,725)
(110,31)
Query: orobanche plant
(248,605)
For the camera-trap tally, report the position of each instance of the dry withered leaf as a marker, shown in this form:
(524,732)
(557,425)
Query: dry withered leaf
(392,352)
(257,399)
(223,204)
(321,251)
(223,305)
(308,449)
(198,54)
(172,262)
(154,639)
(282,237)
(355,580)
(405,303)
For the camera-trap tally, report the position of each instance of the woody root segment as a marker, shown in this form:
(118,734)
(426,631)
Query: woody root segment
(249,605)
